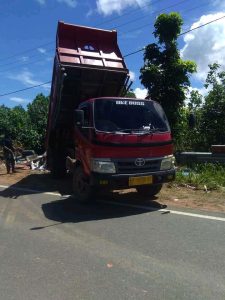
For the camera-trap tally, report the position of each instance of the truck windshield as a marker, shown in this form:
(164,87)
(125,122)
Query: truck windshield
(129,115)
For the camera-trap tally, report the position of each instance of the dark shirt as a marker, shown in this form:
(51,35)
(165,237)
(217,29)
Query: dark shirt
(8,148)
(8,143)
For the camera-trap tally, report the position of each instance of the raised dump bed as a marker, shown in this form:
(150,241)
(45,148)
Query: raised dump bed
(88,64)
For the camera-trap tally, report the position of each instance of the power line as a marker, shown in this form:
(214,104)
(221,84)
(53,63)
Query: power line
(31,87)
(36,61)
(129,54)
(157,11)
(33,62)
(195,7)
(127,13)
(107,21)
(145,25)
(26,51)
(202,25)
(185,32)
(18,60)
(22,65)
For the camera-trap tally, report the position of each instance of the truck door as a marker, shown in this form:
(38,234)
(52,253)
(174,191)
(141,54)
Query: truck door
(88,124)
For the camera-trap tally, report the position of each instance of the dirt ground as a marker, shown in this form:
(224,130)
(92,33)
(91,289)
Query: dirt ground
(171,194)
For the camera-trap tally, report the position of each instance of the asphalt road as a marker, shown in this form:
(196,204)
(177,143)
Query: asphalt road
(53,248)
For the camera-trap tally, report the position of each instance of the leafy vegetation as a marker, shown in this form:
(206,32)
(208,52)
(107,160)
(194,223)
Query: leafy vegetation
(209,112)
(164,74)
(166,77)
(130,94)
(203,176)
(26,127)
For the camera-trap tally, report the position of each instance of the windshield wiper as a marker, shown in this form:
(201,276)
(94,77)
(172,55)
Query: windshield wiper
(130,130)
(142,131)
(126,130)
(149,130)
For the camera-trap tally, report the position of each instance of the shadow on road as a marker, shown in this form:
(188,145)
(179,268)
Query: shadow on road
(34,183)
(106,207)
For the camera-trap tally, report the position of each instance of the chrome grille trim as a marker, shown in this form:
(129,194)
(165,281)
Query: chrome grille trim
(127,165)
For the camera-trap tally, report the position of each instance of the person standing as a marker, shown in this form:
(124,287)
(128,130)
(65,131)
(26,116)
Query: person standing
(9,156)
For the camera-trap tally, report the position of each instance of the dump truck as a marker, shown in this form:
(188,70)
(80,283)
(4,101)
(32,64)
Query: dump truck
(95,133)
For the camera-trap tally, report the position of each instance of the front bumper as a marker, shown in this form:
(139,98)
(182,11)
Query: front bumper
(122,180)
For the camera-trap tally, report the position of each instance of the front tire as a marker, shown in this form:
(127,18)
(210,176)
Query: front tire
(149,190)
(82,189)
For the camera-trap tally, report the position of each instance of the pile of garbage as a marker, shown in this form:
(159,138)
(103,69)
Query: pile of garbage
(32,160)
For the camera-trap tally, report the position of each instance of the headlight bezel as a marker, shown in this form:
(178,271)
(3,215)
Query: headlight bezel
(103,166)
(167,163)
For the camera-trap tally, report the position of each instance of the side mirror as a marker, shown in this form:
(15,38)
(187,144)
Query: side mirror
(79,117)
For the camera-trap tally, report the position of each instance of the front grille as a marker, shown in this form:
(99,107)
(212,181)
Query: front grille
(127,166)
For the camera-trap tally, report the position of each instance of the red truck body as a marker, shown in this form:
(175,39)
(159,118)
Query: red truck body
(118,142)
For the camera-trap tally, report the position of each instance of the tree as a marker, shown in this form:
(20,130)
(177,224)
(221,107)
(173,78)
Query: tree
(5,120)
(195,100)
(213,111)
(165,74)
(130,94)
(195,138)
(38,114)
(26,127)
(18,121)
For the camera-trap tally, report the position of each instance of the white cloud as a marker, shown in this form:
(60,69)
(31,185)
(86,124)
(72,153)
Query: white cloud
(42,50)
(202,91)
(132,76)
(18,100)
(206,45)
(108,7)
(25,77)
(24,58)
(140,93)
(42,2)
(70,3)
(89,13)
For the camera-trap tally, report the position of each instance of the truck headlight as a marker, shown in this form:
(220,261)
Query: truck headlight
(167,163)
(103,166)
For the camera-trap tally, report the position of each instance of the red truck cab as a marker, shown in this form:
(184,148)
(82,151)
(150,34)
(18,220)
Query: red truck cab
(104,139)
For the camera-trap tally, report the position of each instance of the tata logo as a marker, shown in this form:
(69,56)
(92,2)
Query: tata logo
(139,162)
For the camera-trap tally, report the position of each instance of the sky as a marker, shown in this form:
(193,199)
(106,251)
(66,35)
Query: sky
(28,29)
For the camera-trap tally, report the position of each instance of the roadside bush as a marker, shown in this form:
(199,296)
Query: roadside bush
(203,176)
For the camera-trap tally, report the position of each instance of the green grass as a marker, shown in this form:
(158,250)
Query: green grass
(210,176)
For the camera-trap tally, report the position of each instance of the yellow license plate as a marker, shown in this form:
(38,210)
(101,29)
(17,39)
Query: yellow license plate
(140,180)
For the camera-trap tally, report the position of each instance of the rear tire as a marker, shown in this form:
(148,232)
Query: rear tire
(149,190)
(82,189)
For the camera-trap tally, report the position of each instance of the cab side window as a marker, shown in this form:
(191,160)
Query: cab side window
(86,115)
(86,109)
